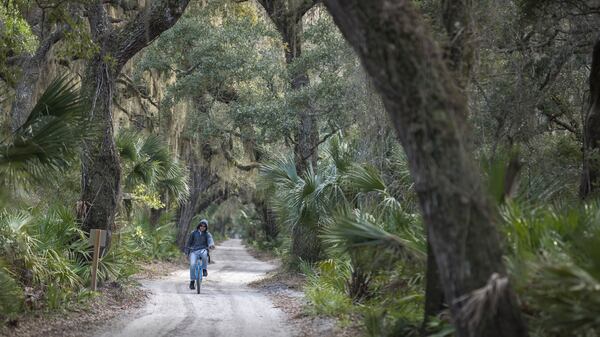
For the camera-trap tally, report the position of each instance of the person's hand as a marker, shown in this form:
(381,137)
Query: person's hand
(212,247)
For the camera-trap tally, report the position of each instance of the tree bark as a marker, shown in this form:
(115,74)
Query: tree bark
(459,54)
(460,49)
(101,174)
(201,179)
(429,114)
(590,177)
(25,87)
(155,214)
(269,222)
(434,292)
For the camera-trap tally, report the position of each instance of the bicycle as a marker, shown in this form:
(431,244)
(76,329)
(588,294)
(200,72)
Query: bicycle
(198,272)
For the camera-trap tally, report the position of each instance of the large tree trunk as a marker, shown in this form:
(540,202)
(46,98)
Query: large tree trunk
(459,54)
(590,177)
(429,114)
(101,173)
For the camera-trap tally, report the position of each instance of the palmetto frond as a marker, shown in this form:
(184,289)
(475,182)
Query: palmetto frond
(49,136)
(357,230)
(365,179)
(340,153)
(174,181)
(128,145)
(16,221)
(148,161)
(568,296)
(279,171)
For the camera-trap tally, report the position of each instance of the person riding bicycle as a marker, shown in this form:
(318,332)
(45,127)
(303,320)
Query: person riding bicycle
(197,247)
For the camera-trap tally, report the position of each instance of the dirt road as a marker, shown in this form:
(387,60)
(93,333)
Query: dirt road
(226,307)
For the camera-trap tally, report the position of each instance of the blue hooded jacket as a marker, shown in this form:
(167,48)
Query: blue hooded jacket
(199,240)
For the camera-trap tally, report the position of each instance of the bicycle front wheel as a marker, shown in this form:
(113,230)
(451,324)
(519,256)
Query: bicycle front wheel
(198,277)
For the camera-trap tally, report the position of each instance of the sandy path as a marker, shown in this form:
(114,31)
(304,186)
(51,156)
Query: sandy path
(226,306)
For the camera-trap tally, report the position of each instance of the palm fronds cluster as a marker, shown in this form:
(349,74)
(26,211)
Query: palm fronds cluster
(147,162)
(45,257)
(377,250)
(41,257)
(48,138)
(374,243)
(555,261)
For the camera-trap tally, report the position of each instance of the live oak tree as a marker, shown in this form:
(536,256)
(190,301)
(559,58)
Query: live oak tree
(100,183)
(429,114)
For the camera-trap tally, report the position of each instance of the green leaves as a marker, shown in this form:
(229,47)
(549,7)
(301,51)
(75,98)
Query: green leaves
(336,199)
(147,161)
(11,295)
(48,139)
(567,296)
(16,37)
(357,230)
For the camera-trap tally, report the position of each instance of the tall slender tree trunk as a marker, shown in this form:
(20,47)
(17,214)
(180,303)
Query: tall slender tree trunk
(307,134)
(460,49)
(590,177)
(201,178)
(306,244)
(101,173)
(287,17)
(429,114)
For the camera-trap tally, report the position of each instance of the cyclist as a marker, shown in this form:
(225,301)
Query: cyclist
(197,247)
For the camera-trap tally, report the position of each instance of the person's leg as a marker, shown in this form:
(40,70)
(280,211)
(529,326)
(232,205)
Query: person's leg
(204,255)
(193,258)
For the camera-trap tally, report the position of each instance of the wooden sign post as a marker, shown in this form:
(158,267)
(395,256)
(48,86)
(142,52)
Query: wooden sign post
(98,239)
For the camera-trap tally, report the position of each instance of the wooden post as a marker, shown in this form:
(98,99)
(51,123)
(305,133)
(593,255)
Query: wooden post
(98,238)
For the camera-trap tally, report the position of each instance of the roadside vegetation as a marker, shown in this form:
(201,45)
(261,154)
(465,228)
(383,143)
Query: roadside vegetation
(429,167)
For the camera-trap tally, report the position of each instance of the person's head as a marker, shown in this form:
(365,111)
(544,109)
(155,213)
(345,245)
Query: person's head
(203,225)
